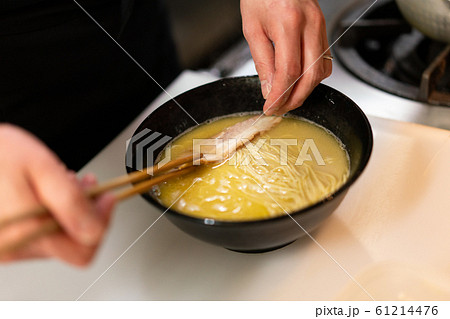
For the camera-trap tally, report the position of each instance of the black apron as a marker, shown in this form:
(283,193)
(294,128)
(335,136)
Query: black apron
(64,80)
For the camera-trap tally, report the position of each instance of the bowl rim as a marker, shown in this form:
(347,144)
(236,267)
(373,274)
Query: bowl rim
(227,223)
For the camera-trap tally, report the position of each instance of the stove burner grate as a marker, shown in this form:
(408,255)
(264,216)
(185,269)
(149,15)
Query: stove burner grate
(383,50)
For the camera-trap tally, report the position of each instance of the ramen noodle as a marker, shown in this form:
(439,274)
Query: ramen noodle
(294,165)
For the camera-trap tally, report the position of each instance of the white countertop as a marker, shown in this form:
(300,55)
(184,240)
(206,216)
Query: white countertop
(390,233)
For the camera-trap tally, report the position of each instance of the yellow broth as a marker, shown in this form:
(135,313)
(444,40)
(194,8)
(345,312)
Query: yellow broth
(243,187)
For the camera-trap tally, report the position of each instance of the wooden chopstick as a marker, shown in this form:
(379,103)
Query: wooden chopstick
(184,165)
(145,186)
(140,175)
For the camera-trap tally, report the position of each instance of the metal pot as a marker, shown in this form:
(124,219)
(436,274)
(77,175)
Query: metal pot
(431,17)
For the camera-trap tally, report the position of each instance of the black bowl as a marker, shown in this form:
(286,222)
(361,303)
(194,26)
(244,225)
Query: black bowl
(325,106)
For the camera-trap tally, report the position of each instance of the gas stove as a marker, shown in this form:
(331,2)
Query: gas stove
(383,102)
(383,50)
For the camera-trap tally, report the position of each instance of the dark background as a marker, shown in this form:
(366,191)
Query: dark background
(203,29)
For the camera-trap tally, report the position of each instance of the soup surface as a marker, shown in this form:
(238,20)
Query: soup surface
(292,166)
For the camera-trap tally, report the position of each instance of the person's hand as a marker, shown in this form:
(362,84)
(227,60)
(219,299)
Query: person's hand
(287,39)
(30,174)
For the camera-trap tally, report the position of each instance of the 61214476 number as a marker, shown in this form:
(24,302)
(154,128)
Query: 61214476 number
(405,310)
